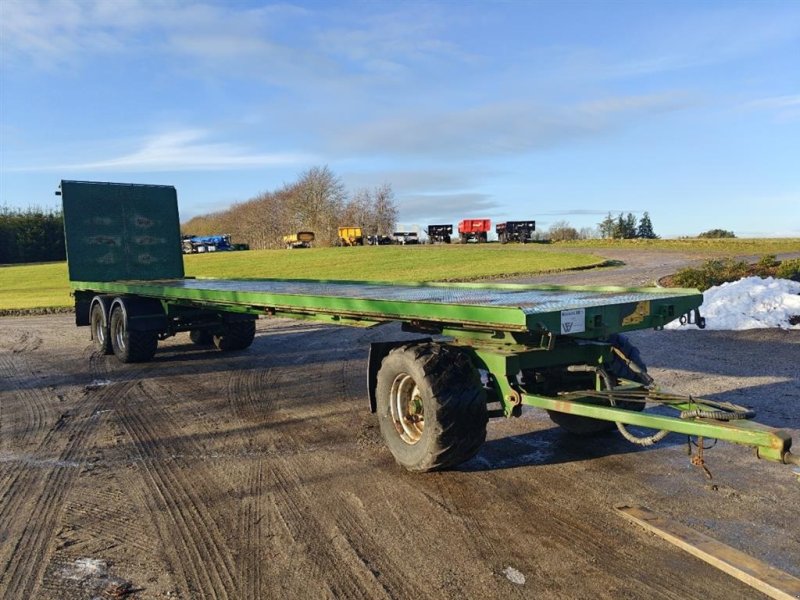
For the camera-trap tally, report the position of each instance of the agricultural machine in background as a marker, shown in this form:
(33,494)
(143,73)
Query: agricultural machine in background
(405,238)
(195,244)
(301,239)
(439,234)
(515,231)
(350,236)
(474,230)
(379,240)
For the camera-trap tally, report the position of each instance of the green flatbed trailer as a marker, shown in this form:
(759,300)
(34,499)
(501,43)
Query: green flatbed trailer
(497,347)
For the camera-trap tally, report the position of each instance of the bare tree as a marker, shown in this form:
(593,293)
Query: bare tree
(317,201)
(319,197)
(561,231)
(384,208)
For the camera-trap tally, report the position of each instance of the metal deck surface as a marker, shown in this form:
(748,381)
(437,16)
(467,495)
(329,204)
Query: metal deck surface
(530,301)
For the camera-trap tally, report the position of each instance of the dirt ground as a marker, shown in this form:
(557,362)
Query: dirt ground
(261,474)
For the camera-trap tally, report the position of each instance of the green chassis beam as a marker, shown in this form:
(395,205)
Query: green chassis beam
(771,444)
(577,311)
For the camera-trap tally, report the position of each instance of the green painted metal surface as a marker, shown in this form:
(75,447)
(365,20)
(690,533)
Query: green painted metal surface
(125,239)
(518,308)
(772,444)
(121,231)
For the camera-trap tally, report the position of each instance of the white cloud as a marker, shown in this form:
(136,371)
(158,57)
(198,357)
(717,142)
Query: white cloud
(698,39)
(55,32)
(184,150)
(785,108)
(413,181)
(501,128)
(442,207)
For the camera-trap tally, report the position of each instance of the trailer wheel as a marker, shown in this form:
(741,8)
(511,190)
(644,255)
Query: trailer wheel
(201,337)
(100,328)
(431,406)
(237,335)
(130,346)
(578,425)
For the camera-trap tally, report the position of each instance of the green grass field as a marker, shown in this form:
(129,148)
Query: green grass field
(706,247)
(34,286)
(46,285)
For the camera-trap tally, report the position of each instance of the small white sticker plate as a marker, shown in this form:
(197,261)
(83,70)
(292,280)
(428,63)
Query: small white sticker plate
(573,321)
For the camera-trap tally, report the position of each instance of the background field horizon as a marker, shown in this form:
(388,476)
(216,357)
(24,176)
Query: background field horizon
(46,285)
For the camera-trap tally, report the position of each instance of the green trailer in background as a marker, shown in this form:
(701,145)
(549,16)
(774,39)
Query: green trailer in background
(485,349)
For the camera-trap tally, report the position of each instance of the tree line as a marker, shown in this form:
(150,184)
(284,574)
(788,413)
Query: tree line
(627,228)
(619,228)
(32,235)
(318,201)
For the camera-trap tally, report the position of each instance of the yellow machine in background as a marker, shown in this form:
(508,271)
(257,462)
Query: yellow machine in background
(301,239)
(351,236)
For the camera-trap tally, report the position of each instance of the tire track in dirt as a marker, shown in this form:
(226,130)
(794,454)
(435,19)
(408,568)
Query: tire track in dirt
(47,446)
(276,501)
(23,569)
(333,539)
(191,534)
(355,522)
(26,393)
(469,526)
(26,478)
(557,523)
(251,516)
(247,404)
(245,399)
(45,491)
(328,558)
(105,522)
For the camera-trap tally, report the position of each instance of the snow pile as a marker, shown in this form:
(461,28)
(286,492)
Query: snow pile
(750,303)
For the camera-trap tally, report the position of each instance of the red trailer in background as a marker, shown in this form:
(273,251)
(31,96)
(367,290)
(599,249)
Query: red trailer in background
(476,230)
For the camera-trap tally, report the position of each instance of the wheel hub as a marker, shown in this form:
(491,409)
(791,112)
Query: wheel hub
(407,408)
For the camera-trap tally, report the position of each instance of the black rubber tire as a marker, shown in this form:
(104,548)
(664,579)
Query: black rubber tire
(617,367)
(201,337)
(453,404)
(101,335)
(236,336)
(578,425)
(130,346)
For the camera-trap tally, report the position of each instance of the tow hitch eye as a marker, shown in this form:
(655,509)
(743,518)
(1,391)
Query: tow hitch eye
(791,459)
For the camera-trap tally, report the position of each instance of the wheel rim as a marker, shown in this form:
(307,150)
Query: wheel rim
(119,333)
(407,410)
(99,330)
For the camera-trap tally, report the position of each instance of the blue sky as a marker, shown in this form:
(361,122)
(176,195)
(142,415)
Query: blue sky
(509,110)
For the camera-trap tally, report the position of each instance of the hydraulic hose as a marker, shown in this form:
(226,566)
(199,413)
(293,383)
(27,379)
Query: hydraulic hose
(639,441)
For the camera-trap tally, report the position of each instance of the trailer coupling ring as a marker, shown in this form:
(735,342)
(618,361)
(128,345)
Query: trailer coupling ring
(791,459)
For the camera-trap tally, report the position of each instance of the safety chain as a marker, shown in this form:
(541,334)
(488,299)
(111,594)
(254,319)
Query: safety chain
(698,460)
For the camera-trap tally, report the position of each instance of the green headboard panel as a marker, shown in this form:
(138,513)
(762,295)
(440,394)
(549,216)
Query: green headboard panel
(120,231)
